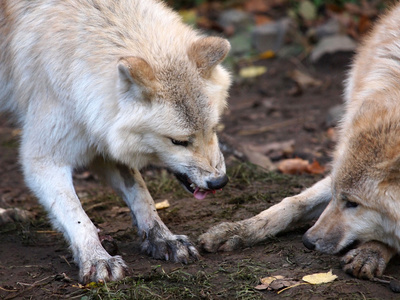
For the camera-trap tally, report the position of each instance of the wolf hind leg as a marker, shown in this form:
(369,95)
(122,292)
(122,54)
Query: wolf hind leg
(157,240)
(306,206)
(367,261)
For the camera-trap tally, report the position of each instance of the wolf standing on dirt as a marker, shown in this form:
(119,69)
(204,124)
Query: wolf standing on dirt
(358,204)
(113,85)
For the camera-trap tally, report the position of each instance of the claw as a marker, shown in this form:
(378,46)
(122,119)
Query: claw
(111,269)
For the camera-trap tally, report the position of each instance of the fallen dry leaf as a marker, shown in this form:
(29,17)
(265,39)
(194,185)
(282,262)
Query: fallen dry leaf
(315,168)
(293,166)
(304,80)
(319,278)
(259,6)
(268,280)
(261,19)
(282,284)
(162,205)
(299,166)
(259,159)
(285,147)
(261,287)
(253,71)
(120,210)
(267,54)
(275,283)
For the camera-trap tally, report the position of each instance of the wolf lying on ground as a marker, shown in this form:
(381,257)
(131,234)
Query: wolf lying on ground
(358,204)
(112,85)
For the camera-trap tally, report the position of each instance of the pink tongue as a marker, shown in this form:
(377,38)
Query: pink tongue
(201,194)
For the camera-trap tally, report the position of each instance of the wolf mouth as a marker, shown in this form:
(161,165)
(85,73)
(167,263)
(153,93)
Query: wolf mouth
(198,193)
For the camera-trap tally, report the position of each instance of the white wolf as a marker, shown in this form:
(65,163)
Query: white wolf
(113,85)
(360,199)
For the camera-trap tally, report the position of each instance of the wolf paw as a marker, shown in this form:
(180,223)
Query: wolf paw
(364,263)
(176,248)
(222,237)
(111,269)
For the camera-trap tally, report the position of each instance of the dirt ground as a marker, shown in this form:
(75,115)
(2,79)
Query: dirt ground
(35,261)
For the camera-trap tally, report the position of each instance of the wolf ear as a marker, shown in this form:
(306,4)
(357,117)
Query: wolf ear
(391,171)
(134,69)
(208,52)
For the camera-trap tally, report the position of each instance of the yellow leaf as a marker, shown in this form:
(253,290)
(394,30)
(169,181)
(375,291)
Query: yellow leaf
(94,285)
(163,204)
(267,54)
(319,278)
(254,71)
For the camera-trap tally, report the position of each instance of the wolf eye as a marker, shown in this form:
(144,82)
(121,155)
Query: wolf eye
(351,204)
(180,143)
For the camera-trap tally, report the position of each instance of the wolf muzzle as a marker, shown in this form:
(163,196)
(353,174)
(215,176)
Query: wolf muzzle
(307,243)
(218,183)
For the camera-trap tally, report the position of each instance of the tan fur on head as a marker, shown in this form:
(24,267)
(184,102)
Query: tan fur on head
(208,52)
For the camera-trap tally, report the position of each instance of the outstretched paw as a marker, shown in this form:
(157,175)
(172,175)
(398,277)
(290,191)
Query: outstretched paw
(367,261)
(96,270)
(161,244)
(223,237)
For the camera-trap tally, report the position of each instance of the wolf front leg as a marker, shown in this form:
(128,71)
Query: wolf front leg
(306,206)
(52,184)
(158,241)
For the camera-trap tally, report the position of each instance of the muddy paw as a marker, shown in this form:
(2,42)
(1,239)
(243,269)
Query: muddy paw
(222,237)
(176,248)
(367,261)
(111,269)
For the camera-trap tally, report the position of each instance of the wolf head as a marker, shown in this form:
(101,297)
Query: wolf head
(169,114)
(365,203)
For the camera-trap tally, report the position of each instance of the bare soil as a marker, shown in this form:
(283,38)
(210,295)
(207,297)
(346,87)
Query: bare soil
(35,262)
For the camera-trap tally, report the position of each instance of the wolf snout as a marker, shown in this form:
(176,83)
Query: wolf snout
(217,183)
(307,242)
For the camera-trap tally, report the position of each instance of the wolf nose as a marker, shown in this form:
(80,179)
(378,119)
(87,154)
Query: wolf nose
(307,242)
(218,183)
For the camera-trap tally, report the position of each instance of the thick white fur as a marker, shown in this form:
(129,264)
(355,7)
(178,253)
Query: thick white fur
(362,193)
(78,103)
